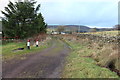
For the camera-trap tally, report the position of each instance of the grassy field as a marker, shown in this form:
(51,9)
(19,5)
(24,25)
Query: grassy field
(80,64)
(8,53)
(106,33)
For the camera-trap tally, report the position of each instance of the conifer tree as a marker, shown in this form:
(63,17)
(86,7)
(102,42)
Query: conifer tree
(22,19)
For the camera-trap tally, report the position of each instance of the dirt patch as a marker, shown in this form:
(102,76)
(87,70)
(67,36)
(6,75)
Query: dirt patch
(18,49)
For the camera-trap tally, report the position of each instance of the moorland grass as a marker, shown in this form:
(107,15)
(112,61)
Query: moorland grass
(80,65)
(105,33)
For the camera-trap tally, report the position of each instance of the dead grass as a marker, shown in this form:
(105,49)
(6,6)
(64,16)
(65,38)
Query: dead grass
(106,54)
(106,33)
(87,57)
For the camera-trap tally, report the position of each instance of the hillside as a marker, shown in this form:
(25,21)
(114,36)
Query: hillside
(80,28)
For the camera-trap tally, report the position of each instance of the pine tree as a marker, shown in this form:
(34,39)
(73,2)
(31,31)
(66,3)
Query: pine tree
(23,20)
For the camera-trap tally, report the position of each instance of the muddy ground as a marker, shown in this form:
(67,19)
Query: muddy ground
(47,63)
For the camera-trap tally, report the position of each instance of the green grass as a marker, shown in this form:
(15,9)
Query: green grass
(8,53)
(80,65)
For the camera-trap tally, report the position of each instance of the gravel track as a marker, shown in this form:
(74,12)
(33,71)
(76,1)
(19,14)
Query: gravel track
(47,63)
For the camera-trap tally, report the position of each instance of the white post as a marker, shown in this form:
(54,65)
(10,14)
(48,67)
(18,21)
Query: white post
(37,43)
(28,44)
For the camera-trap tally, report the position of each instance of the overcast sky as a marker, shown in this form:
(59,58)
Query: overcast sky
(93,13)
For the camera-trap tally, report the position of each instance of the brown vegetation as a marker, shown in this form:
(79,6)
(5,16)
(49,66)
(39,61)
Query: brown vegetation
(104,53)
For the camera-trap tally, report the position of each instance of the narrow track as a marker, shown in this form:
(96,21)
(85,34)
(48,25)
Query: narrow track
(47,63)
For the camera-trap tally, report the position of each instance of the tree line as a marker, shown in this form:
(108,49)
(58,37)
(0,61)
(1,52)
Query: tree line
(23,19)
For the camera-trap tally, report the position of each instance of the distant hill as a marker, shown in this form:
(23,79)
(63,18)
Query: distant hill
(105,29)
(80,28)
